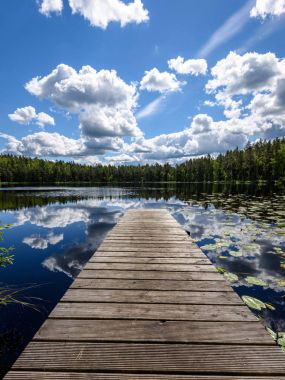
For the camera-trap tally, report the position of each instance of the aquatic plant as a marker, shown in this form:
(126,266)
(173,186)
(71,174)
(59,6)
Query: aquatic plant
(15,296)
(255,281)
(5,256)
(231,277)
(279,337)
(253,303)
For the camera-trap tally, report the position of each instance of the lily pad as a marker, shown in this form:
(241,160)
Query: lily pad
(231,277)
(253,303)
(255,281)
(272,333)
(277,249)
(269,306)
(235,253)
(281,339)
(209,247)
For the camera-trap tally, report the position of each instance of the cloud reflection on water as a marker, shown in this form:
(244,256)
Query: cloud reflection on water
(247,229)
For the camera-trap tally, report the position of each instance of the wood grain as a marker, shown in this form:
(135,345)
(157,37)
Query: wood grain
(149,260)
(177,312)
(22,375)
(154,331)
(153,358)
(152,296)
(151,267)
(149,275)
(85,283)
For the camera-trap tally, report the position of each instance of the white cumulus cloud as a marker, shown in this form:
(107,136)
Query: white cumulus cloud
(51,6)
(264,8)
(28,115)
(253,84)
(122,159)
(201,123)
(243,74)
(163,82)
(44,144)
(191,66)
(250,89)
(101,12)
(104,103)
(203,136)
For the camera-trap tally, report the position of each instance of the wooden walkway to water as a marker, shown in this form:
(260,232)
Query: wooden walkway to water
(149,305)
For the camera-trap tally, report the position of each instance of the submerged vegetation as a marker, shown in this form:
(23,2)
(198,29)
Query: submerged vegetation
(8,295)
(262,161)
(6,258)
(15,296)
(246,241)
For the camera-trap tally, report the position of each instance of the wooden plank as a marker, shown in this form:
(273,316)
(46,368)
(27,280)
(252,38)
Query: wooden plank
(95,310)
(154,331)
(138,230)
(148,210)
(165,250)
(117,232)
(28,375)
(121,245)
(146,239)
(152,267)
(148,221)
(149,275)
(150,254)
(153,358)
(152,296)
(85,283)
(143,216)
(155,222)
(148,235)
(146,224)
(149,260)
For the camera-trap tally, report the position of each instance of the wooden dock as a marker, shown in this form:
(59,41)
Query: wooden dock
(149,305)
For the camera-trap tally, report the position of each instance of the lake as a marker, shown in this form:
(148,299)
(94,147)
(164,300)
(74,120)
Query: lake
(54,231)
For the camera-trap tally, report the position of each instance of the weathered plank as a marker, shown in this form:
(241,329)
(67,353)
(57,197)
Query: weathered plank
(146,240)
(152,311)
(153,358)
(36,375)
(149,253)
(152,296)
(149,275)
(133,230)
(152,267)
(154,331)
(146,244)
(137,232)
(149,260)
(193,252)
(85,283)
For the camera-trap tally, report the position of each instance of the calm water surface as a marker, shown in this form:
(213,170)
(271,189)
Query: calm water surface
(55,230)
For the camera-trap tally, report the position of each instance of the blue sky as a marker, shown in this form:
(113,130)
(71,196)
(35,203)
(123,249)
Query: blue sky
(102,81)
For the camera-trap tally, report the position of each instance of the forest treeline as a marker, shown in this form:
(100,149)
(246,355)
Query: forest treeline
(262,161)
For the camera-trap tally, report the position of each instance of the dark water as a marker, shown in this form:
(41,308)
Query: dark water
(55,230)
